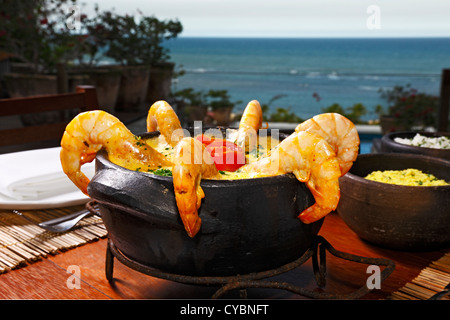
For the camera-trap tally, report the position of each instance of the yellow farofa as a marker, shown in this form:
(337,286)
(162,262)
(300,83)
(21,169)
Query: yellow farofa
(407,177)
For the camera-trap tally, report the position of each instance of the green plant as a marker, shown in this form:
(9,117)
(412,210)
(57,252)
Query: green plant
(134,40)
(409,107)
(353,113)
(280,114)
(190,97)
(284,115)
(90,40)
(219,99)
(379,110)
(35,33)
(335,107)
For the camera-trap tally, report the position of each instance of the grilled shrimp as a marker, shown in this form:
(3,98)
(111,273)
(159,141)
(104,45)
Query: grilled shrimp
(339,132)
(191,163)
(249,125)
(162,117)
(92,131)
(312,160)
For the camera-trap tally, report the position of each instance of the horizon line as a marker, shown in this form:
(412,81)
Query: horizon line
(318,37)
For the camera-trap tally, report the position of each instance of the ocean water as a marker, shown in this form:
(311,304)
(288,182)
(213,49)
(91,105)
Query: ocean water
(344,71)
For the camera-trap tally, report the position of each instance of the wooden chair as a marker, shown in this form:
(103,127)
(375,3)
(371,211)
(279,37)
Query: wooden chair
(46,134)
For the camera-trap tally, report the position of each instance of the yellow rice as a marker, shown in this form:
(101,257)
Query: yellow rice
(407,177)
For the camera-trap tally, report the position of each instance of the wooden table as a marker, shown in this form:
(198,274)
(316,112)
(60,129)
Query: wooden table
(53,277)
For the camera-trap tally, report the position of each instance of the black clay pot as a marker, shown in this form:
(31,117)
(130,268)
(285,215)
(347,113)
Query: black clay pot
(388,144)
(393,216)
(247,225)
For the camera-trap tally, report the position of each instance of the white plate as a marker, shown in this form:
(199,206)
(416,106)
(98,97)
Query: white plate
(63,200)
(40,165)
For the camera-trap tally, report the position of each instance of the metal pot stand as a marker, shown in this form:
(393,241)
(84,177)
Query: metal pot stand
(317,252)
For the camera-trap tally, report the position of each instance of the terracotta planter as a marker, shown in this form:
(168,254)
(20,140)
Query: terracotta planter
(106,81)
(222,116)
(389,124)
(194,113)
(26,85)
(133,88)
(160,81)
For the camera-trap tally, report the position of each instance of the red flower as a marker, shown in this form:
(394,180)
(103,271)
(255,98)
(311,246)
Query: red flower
(82,37)
(43,21)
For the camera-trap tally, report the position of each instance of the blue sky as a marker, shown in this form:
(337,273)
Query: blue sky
(295,18)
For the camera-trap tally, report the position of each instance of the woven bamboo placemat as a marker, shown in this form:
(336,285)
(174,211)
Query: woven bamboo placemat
(430,281)
(22,243)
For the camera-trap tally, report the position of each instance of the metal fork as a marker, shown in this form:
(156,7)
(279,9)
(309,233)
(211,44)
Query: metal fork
(60,224)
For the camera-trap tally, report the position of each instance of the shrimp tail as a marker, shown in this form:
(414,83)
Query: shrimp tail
(325,203)
(188,197)
(313,213)
(312,160)
(162,117)
(75,175)
(191,163)
(91,131)
(251,122)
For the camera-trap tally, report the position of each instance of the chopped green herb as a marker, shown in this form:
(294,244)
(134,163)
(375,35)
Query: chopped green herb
(256,152)
(139,143)
(161,172)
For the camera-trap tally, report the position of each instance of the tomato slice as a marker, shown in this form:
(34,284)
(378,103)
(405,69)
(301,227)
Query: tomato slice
(206,140)
(227,155)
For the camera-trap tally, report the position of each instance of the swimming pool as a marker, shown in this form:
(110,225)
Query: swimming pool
(366,143)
